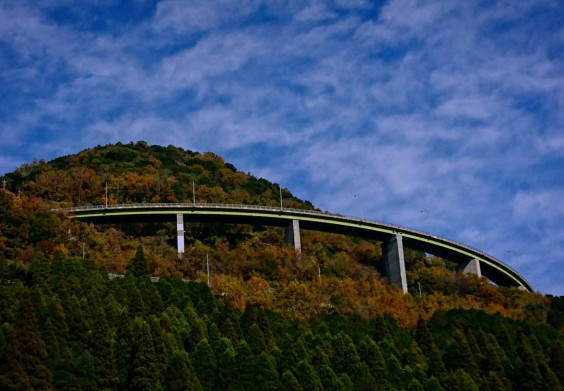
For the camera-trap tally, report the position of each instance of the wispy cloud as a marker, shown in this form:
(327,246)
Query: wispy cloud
(455,108)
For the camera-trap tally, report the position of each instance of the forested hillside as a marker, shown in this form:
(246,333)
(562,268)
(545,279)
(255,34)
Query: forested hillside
(270,318)
(66,326)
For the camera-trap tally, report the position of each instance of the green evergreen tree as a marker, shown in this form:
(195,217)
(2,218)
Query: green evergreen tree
(289,358)
(395,373)
(493,360)
(39,304)
(256,339)
(226,367)
(435,363)
(39,269)
(424,337)
(103,355)
(138,265)
(213,333)
(494,383)
(433,385)
(329,380)
(371,354)
(205,364)
(345,355)
(180,375)
(530,378)
(56,314)
(136,305)
(245,365)
(197,334)
(49,337)
(307,377)
(123,350)
(152,300)
(415,355)
(473,344)
(346,381)
(550,380)
(289,382)
(466,356)
(144,374)
(26,357)
(361,377)
(419,373)
(557,360)
(78,325)
(414,385)
(264,325)
(380,328)
(266,375)
(161,342)
(228,331)
(461,381)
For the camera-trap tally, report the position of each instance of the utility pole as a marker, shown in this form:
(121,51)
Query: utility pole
(106,195)
(418,283)
(193,193)
(4,184)
(280,187)
(83,249)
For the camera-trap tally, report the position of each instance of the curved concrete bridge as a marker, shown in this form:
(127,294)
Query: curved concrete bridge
(393,237)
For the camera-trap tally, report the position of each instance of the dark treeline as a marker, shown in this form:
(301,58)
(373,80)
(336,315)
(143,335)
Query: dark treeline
(66,326)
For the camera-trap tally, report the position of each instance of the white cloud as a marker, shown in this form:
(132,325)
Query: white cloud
(416,106)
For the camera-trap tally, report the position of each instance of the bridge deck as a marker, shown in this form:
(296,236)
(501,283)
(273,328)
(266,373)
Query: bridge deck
(494,269)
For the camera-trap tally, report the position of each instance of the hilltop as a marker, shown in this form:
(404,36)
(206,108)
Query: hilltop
(271,318)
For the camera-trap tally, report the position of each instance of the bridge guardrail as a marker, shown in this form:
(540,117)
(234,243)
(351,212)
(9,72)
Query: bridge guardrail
(166,205)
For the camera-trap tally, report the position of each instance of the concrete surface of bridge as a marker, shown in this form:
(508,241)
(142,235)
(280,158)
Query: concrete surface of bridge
(393,237)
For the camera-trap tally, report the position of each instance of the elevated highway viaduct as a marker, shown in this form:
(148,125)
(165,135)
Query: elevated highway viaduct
(393,237)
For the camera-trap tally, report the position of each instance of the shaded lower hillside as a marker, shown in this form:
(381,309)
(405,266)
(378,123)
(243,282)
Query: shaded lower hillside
(64,325)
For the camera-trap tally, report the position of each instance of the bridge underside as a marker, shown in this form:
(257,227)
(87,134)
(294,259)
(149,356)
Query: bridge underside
(393,242)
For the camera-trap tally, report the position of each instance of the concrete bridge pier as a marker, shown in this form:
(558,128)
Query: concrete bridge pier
(394,263)
(472,266)
(293,235)
(180,233)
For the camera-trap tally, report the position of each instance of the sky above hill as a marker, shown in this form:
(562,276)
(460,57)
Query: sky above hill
(445,116)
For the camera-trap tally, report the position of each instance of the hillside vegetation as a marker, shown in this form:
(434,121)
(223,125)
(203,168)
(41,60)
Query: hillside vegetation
(270,318)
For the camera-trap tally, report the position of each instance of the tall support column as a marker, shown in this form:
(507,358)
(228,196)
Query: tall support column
(472,266)
(180,232)
(394,263)
(293,235)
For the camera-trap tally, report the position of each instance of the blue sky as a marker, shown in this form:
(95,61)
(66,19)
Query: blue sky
(455,108)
